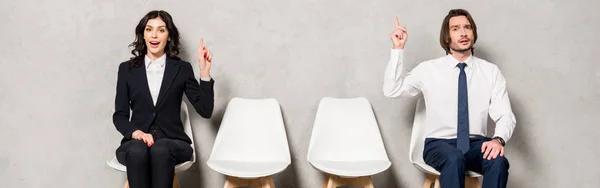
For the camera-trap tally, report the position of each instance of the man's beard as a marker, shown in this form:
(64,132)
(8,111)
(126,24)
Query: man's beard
(456,49)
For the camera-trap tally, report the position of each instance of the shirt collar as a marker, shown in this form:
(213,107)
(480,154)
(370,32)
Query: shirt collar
(161,60)
(452,62)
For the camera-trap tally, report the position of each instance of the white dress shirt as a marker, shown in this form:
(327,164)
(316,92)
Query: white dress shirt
(437,79)
(155,70)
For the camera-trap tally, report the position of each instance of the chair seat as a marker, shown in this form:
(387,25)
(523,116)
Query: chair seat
(114,163)
(351,168)
(430,170)
(183,166)
(247,169)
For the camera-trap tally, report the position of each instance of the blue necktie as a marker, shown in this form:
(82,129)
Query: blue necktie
(462,139)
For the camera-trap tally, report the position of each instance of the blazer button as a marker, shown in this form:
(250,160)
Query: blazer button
(153,114)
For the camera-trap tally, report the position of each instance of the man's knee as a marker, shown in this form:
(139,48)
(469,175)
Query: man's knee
(499,163)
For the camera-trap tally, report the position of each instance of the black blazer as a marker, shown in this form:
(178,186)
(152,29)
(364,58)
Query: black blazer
(133,93)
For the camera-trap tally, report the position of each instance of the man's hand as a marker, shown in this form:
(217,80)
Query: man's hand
(399,36)
(147,138)
(204,59)
(491,149)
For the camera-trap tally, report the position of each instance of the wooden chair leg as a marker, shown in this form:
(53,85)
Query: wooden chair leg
(267,182)
(255,183)
(429,181)
(437,183)
(176,182)
(369,183)
(365,182)
(271,182)
(326,182)
(333,181)
(472,182)
(433,181)
(233,182)
(262,182)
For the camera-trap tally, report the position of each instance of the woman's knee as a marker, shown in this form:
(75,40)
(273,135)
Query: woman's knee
(137,151)
(159,149)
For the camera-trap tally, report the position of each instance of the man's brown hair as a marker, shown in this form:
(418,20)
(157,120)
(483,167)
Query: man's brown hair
(445,31)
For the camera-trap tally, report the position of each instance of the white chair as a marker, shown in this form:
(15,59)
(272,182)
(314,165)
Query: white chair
(417,143)
(251,144)
(346,143)
(185,118)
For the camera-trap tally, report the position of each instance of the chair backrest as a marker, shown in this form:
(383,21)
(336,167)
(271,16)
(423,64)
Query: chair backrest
(417,139)
(252,130)
(345,129)
(187,127)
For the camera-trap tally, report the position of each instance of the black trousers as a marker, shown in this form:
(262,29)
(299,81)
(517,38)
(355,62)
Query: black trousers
(154,166)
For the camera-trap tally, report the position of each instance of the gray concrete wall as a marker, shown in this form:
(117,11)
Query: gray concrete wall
(58,66)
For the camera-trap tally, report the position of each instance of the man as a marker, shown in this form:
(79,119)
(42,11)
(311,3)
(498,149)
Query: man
(460,90)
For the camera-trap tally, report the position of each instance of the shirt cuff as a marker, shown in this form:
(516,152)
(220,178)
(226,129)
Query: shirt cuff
(504,137)
(206,79)
(396,54)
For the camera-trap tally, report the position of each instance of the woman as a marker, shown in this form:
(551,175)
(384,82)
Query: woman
(152,84)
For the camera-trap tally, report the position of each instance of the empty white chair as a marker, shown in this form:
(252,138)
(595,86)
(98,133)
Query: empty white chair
(185,119)
(346,142)
(251,144)
(417,144)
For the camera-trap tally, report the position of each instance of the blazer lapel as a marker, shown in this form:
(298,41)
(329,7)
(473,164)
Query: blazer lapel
(140,72)
(171,70)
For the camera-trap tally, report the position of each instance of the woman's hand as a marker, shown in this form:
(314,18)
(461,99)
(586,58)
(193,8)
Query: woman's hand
(204,59)
(147,138)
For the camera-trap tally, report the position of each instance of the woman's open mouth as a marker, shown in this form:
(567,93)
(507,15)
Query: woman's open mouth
(154,44)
